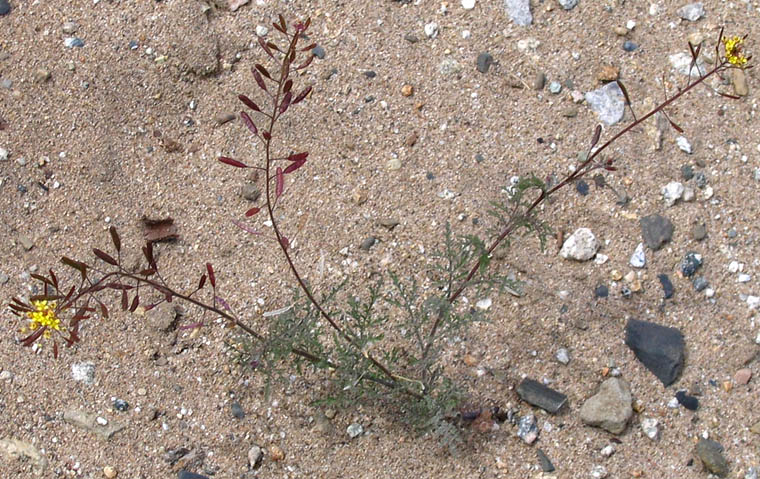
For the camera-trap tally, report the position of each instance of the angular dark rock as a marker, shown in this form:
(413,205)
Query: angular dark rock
(659,348)
(667,286)
(535,393)
(543,459)
(691,263)
(484,62)
(656,231)
(711,455)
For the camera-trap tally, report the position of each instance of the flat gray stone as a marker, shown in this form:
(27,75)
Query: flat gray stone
(610,408)
(535,393)
(519,11)
(711,455)
(656,230)
(89,422)
(607,102)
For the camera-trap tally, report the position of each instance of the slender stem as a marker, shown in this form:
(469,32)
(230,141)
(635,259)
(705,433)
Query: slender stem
(283,245)
(578,173)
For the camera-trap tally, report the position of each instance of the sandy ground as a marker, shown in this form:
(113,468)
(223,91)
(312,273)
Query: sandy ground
(105,134)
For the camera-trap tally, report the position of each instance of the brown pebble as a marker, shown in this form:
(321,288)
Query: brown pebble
(411,140)
(470,360)
(276,453)
(727,386)
(407,90)
(743,376)
(621,31)
(42,75)
(608,73)
(358,197)
(539,81)
(755,428)
(110,472)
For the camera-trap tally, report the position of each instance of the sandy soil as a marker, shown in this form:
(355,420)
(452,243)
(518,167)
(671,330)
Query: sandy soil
(104,134)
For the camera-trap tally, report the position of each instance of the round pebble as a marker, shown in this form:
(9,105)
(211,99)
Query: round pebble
(407,90)
(555,87)
(318,52)
(629,46)
(120,405)
(431,30)
(110,472)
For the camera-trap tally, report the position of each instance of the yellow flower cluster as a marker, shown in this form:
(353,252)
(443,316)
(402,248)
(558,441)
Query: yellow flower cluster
(733,47)
(44,316)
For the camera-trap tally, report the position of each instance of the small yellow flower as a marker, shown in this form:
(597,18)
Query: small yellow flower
(733,47)
(44,316)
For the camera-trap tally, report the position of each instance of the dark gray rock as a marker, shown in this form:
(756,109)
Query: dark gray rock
(659,348)
(629,46)
(667,286)
(601,291)
(484,62)
(543,459)
(237,410)
(368,243)
(687,172)
(656,231)
(120,405)
(689,402)
(5,7)
(610,408)
(691,263)
(699,232)
(711,455)
(700,283)
(535,393)
(318,52)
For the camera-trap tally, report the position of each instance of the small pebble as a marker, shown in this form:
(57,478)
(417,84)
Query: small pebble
(638,259)
(649,426)
(582,187)
(743,376)
(73,42)
(237,410)
(629,46)
(699,232)
(687,172)
(555,87)
(563,356)
(667,286)
(431,30)
(5,7)
(539,81)
(608,450)
(262,31)
(354,430)
(120,405)
(109,472)
(684,144)
(689,402)
(407,90)
(700,283)
(368,243)
(70,27)
(601,291)
(599,472)
(690,264)
(484,62)
(318,52)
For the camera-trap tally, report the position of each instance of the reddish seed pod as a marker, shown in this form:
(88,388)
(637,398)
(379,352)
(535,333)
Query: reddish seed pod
(299,98)
(279,183)
(259,80)
(231,162)
(249,123)
(250,104)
